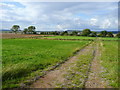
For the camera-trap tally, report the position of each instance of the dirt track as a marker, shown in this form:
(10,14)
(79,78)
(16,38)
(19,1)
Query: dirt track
(94,79)
(51,79)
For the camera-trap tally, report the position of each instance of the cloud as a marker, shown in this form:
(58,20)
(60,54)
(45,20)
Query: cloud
(63,15)
(106,24)
(6,5)
(93,21)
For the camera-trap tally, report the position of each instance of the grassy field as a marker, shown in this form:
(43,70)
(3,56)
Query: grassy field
(81,37)
(110,62)
(70,37)
(21,57)
(109,38)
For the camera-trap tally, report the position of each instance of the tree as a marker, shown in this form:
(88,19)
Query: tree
(64,33)
(86,32)
(55,33)
(103,33)
(110,34)
(118,35)
(93,34)
(42,33)
(15,28)
(25,31)
(31,29)
(75,33)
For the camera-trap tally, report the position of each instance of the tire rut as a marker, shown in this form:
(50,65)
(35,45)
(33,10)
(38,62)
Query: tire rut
(94,79)
(57,76)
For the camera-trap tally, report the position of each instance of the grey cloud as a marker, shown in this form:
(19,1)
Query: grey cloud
(65,14)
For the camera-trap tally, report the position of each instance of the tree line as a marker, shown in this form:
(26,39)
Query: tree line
(85,32)
(29,30)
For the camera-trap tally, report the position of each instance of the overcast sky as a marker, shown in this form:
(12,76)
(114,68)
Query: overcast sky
(60,15)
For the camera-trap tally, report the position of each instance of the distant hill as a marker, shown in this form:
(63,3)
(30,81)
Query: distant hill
(114,32)
(5,30)
(73,30)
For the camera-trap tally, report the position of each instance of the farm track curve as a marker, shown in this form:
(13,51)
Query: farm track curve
(57,76)
(94,80)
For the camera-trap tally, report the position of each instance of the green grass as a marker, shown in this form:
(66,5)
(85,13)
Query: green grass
(22,57)
(0,64)
(110,62)
(70,37)
(110,38)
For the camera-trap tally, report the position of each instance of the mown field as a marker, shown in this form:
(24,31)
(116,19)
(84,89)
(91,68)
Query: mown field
(80,37)
(70,37)
(109,60)
(27,57)
(13,35)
